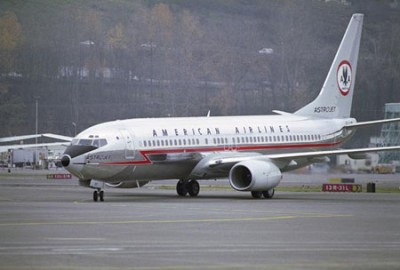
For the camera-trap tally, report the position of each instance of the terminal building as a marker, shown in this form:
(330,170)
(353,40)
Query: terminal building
(380,162)
(390,134)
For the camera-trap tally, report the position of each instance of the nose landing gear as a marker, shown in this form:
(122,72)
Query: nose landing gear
(99,192)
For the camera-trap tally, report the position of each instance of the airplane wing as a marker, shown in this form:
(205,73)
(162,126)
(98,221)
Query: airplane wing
(27,137)
(282,160)
(5,148)
(220,163)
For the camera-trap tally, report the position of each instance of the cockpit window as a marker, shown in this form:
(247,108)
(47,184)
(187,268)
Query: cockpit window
(94,142)
(85,142)
(99,142)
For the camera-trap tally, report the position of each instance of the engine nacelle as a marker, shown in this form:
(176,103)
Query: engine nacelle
(129,184)
(254,175)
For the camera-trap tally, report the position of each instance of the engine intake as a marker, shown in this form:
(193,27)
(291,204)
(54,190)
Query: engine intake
(254,175)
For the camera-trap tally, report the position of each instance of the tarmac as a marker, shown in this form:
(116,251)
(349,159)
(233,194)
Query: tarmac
(54,224)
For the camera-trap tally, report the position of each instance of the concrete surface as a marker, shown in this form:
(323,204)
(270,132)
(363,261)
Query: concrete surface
(54,224)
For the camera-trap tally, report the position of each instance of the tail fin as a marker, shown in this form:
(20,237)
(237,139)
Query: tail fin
(335,98)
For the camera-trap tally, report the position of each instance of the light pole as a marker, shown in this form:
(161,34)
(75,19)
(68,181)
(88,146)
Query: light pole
(36,117)
(36,125)
(74,124)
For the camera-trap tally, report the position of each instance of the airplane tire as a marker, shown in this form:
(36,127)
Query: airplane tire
(268,194)
(256,194)
(181,188)
(95,196)
(101,195)
(193,188)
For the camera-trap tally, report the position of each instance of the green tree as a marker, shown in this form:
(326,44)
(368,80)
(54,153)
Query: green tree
(10,38)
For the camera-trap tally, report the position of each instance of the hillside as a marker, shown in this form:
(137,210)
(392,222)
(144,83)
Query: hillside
(93,61)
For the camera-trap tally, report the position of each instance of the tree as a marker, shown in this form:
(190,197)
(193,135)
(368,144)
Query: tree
(10,38)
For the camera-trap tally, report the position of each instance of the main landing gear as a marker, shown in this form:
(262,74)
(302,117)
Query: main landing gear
(98,194)
(183,187)
(268,194)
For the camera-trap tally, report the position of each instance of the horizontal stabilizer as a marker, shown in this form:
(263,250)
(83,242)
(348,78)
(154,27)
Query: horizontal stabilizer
(372,123)
(281,112)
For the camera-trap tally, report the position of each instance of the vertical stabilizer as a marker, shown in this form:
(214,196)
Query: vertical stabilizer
(335,98)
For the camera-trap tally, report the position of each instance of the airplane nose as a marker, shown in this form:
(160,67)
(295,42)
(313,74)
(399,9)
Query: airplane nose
(77,150)
(65,160)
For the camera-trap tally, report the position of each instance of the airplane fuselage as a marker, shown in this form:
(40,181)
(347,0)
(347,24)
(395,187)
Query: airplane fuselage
(170,148)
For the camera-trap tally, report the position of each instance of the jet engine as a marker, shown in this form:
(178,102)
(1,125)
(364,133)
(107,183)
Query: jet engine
(254,175)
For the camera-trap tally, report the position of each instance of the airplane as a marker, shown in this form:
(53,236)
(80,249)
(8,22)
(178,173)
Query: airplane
(251,151)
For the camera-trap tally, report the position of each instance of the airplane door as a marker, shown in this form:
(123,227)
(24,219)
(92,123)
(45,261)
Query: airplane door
(129,146)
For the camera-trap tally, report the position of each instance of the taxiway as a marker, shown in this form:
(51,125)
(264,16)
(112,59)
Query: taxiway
(55,225)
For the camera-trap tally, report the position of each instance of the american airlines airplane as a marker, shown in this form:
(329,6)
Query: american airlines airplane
(252,151)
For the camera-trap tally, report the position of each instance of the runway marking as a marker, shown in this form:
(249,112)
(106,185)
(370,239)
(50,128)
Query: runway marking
(206,220)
